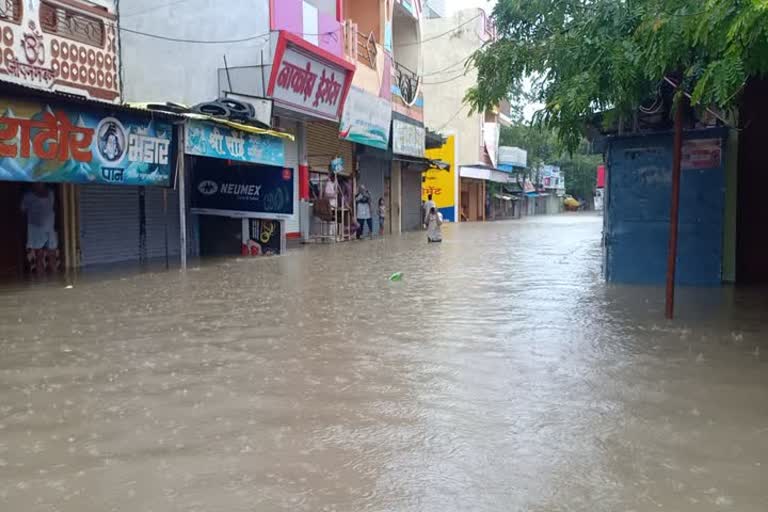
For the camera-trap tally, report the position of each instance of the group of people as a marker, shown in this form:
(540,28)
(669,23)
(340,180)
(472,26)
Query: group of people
(365,214)
(365,210)
(432,218)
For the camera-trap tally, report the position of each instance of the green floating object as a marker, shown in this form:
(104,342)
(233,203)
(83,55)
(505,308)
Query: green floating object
(397,276)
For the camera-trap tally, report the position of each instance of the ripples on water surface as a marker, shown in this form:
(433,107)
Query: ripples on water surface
(500,375)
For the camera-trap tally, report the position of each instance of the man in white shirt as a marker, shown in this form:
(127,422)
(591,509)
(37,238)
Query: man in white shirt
(38,204)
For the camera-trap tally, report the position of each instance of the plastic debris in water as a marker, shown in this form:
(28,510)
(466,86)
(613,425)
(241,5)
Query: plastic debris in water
(397,276)
(68,287)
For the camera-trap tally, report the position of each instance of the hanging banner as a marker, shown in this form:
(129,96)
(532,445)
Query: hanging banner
(366,119)
(440,184)
(45,142)
(408,139)
(256,191)
(215,141)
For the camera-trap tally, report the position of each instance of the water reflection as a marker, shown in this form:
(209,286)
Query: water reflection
(501,374)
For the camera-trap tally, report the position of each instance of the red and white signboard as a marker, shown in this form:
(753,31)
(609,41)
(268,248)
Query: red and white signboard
(702,154)
(308,79)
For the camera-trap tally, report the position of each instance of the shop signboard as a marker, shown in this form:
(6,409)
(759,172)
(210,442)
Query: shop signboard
(441,184)
(57,144)
(309,80)
(408,139)
(366,119)
(256,191)
(702,154)
(219,141)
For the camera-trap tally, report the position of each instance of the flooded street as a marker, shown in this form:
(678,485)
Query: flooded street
(501,374)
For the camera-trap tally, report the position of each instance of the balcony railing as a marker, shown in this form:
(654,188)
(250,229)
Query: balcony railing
(359,46)
(408,82)
(366,49)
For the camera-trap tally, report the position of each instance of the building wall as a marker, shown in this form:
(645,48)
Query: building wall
(187,73)
(325,33)
(446,83)
(78,57)
(369,16)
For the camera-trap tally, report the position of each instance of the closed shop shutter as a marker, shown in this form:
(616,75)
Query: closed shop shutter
(292,162)
(109,224)
(158,221)
(323,143)
(412,214)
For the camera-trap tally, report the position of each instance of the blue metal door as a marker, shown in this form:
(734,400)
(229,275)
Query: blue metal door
(637,211)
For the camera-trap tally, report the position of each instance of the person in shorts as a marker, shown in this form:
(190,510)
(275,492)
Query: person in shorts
(38,204)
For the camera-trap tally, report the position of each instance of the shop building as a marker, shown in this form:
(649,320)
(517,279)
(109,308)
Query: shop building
(482,180)
(513,160)
(408,129)
(107,169)
(296,73)
(367,115)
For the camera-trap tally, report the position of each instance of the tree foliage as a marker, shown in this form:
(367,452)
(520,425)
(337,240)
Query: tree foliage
(588,56)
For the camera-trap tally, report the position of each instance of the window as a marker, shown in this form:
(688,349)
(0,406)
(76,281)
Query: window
(311,23)
(71,24)
(10,10)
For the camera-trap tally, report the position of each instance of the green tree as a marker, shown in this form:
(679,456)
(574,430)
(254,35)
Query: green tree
(589,56)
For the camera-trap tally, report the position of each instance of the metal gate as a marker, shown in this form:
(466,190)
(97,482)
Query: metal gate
(637,213)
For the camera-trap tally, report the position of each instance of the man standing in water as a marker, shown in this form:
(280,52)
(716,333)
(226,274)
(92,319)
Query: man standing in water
(42,240)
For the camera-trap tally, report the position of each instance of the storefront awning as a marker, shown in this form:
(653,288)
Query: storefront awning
(485,172)
(426,163)
(179,112)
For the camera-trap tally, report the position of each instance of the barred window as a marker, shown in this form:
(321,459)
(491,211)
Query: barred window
(71,24)
(10,10)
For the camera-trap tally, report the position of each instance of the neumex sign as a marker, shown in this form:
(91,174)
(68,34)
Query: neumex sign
(256,191)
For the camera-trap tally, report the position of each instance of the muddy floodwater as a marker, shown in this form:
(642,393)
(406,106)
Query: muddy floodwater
(501,374)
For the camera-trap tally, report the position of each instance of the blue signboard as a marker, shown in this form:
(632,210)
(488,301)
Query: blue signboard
(48,143)
(243,190)
(217,141)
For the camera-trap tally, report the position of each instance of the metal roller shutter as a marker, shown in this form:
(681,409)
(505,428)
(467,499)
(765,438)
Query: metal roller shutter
(157,221)
(323,143)
(109,224)
(411,217)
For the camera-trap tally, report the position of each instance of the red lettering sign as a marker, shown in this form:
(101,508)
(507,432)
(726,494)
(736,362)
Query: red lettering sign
(52,138)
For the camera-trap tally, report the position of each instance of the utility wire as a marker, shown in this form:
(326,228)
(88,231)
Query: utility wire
(454,116)
(227,41)
(445,81)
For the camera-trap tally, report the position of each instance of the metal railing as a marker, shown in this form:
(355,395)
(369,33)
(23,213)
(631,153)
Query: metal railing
(10,10)
(366,49)
(359,46)
(408,82)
